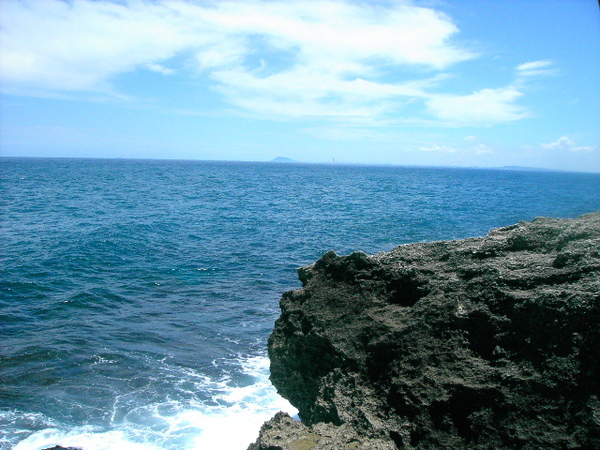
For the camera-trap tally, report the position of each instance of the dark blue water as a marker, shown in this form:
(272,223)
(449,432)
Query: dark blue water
(136,297)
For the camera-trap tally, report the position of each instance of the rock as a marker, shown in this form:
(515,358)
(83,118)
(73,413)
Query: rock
(482,343)
(284,433)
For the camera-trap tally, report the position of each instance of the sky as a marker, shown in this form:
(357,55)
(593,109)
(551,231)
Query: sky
(485,83)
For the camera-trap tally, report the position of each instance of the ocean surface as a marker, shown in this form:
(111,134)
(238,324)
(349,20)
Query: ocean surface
(136,297)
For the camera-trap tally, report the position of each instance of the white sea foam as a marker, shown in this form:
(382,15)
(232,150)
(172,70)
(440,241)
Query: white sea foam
(229,421)
(236,424)
(85,438)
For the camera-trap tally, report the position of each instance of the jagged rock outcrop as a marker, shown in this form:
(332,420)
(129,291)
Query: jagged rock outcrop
(482,343)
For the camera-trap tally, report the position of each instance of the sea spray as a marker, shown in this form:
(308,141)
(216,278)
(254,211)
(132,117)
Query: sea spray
(229,419)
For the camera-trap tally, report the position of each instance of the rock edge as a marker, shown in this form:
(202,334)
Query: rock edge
(480,343)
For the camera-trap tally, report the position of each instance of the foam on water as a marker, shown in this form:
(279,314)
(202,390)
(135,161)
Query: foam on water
(83,437)
(231,418)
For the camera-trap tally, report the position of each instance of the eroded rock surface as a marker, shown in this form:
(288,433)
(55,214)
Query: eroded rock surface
(481,343)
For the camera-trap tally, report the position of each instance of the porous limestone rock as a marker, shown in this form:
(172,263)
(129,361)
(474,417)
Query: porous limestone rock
(482,343)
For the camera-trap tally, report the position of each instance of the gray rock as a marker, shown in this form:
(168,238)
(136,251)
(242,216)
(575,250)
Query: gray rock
(482,343)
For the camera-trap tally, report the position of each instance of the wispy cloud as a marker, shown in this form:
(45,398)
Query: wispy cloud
(536,68)
(438,148)
(280,59)
(565,143)
(158,68)
(484,107)
(491,105)
(479,149)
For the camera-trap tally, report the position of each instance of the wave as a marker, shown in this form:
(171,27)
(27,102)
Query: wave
(230,417)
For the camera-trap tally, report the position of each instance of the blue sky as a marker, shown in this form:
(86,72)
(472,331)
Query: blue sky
(458,82)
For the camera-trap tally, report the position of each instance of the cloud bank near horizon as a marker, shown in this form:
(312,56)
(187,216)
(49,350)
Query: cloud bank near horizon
(359,63)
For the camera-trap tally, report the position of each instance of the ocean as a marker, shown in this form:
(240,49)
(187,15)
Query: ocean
(137,296)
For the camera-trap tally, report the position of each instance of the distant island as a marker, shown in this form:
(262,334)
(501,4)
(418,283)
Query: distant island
(282,159)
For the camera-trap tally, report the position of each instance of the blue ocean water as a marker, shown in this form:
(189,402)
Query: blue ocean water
(136,297)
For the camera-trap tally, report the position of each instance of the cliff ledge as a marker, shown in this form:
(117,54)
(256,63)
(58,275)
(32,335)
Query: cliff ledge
(481,343)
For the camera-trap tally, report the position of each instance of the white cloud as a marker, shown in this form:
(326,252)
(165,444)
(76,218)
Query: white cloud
(536,68)
(489,106)
(305,58)
(480,149)
(484,107)
(91,40)
(567,144)
(439,148)
(332,47)
(158,68)
(57,46)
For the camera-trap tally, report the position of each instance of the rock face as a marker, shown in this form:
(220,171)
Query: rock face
(483,343)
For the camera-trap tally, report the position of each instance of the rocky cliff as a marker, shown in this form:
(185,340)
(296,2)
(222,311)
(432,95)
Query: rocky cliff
(483,343)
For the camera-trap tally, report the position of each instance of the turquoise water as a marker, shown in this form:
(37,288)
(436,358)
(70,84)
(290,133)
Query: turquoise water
(136,297)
